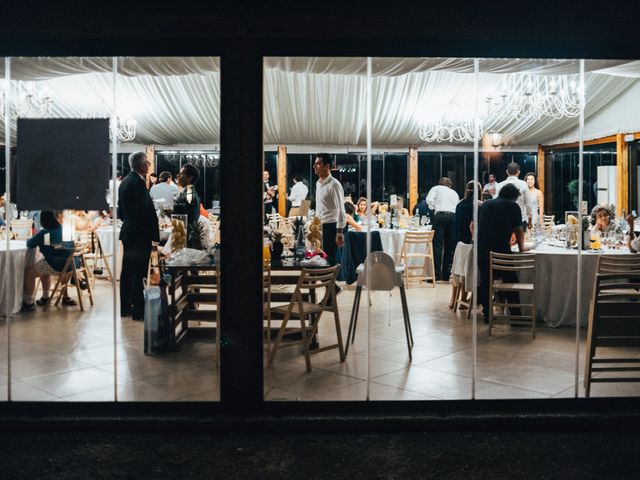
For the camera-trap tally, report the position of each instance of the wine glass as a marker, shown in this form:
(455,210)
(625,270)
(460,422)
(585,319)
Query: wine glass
(424,220)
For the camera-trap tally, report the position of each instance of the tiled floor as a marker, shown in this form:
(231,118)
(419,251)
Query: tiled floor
(66,355)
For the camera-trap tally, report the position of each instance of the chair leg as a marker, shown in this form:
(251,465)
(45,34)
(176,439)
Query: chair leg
(351,333)
(54,291)
(433,271)
(305,341)
(491,294)
(336,317)
(276,345)
(470,306)
(407,323)
(76,280)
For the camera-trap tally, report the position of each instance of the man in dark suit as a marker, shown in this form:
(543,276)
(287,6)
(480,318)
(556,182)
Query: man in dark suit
(139,234)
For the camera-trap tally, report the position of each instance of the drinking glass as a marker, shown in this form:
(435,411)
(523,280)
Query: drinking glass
(424,220)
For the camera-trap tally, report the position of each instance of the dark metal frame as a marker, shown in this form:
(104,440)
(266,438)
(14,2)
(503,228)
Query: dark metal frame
(242,34)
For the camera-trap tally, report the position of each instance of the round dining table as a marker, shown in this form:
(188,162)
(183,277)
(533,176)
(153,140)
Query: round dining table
(556,282)
(12,265)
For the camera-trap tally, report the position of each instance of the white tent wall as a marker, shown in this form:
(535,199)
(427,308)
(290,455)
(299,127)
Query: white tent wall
(622,115)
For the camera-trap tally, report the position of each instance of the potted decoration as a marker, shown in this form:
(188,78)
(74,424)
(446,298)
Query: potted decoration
(276,244)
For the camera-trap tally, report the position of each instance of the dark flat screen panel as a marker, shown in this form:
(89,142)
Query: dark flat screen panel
(63,164)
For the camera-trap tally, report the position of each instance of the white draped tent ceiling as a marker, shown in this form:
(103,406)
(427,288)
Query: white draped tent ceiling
(322,101)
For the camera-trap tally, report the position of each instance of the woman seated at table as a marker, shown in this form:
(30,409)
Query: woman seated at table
(361,209)
(52,263)
(603,220)
(207,238)
(400,206)
(350,211)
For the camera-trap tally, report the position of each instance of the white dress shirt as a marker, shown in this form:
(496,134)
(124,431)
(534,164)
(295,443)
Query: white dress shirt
(164,192)
(442,199)
(330,202)
(299,193)
(524,193)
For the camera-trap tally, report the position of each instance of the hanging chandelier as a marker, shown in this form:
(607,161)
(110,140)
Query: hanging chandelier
(447,131)
(534,96)
(25,99)
(124,129)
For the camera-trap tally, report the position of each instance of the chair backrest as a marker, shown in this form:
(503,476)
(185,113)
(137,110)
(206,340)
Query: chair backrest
(548,218)
(304,208)
(615,318)
(619,263)
(314,278)
(21,228)
(380,272)
(423,237)
(512,262)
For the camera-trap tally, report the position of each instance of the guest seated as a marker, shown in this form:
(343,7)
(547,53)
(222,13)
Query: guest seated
(83,221)
(603,220)
(400,206)
(361,209)
(634,243)
(350,211)
(51,263)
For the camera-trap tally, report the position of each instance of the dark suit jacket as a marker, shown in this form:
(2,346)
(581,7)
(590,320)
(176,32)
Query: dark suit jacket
(138,214)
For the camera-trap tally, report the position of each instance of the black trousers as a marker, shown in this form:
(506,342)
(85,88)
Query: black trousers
(135,261)
(329,242)
(443,244)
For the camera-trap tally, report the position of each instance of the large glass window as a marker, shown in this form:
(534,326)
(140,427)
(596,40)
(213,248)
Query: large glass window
(78,255)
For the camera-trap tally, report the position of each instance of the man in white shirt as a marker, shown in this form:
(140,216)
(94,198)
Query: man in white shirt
(491,186)
(443,199)
(329,207)
(513,170)
(164,192)
(299,192)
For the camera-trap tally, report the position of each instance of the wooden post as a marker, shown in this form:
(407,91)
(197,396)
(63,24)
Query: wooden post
(282,180)
(540,164)
(622,174)
(412,167)
(150,151)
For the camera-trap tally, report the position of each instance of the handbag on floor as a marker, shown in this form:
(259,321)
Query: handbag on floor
(155,331)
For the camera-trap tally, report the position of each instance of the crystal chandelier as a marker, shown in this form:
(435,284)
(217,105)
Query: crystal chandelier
(25,99)
(534,96)
(124,129)
(447,131)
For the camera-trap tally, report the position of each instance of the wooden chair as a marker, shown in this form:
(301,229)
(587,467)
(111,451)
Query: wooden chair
(72,272)
(21,229)
(94,256)
(516,263)
(619,263)
(379,273)
(414,271)
(309,313)
(614,324)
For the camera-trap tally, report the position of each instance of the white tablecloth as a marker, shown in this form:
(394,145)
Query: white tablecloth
(556,283)
(105,234)
(392,240)
(11,280)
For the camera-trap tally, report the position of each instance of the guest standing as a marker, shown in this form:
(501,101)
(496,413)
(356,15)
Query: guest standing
(138,235)
(164,192)
(188,202)
(443,199)
(464,213)
(329,206)
(299,192)
(498,219)
(513,171)
(491,186)
(268,194)
(535,200)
